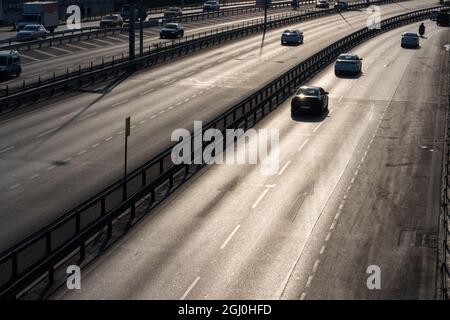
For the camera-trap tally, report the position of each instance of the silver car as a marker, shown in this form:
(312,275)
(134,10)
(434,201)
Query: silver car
(348,63)
(410,40)
(32,32)
(292,36)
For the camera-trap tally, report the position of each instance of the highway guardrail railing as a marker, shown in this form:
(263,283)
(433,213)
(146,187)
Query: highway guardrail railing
(39,256)
(15,95)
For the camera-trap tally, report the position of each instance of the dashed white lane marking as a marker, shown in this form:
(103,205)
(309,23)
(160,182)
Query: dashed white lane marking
(6,149)
(328,236)
(169,82)
(201,92)
(15,186)
(67,159)
(260,198)
(120,132)
(186,100)
(308,283)
(46,53)
(353,180)
(119,103)
(336,217)
(333,225)
(190,288)
(162,111)
(34,176)
(229,237)
(221,60)
(317,127)
(107,139)
(51,168)
(147,92)
(28,57)
(284,168)
(95,145)
(303,144)
(330,111)
(62,50)
(189,74)
(316,265)
(178,103)
(87,116)
(142,122)
(322,250)
(75,46)
(340,99)
(153,116)
(47,132)
(303,296)
(82,152)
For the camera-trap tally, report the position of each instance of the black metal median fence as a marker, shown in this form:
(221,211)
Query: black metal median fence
(37,256)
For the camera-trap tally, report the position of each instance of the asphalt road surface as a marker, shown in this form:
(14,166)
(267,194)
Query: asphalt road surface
(355,188)
(57,156)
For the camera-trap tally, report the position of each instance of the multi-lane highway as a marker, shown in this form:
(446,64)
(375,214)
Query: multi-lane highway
(44,61)
(358,187)
(62,152)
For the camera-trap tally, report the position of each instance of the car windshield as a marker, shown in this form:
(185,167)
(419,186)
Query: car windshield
(110,18)
(347,57)
(288,31)
(308,92)
(171,26)
(210,2)
(31,28)
(413,35)
(3,60)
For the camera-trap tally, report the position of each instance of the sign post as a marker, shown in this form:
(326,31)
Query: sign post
(127,134)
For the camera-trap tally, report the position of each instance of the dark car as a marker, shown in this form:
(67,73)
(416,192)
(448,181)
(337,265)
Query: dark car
(172,13)
(410,40)
(322,4)
(111,21)
(172,30)
(443,19)
(433,15)
(309,100)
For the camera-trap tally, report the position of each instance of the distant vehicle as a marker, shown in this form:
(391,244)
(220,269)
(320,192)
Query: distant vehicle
(9,64)
(323,4)
(172,30)
(172,12)
(341,4)
(111,21)
(32,32)
(309,100)
(434,14)
(125,13)
(295,3)
(410,40)
(292,36)
(443,19)
(446,2)
(40,12)
(212,5)
(348,63)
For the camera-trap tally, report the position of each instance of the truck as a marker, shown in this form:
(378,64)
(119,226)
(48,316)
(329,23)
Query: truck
(40,12)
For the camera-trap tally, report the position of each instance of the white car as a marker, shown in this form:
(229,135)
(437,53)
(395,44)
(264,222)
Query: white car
(292,36)
(32,32)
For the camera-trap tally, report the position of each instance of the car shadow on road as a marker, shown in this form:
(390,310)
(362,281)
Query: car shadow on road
(310,117)
(350,76)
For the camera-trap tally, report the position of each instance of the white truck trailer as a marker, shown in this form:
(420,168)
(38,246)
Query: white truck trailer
(40,12)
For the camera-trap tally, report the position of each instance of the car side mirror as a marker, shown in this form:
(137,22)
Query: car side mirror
(327,93)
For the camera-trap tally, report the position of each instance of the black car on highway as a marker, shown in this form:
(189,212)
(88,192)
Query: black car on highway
(172,30)
(309,100)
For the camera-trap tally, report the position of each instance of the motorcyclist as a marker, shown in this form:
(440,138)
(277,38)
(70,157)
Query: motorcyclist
(422,29)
